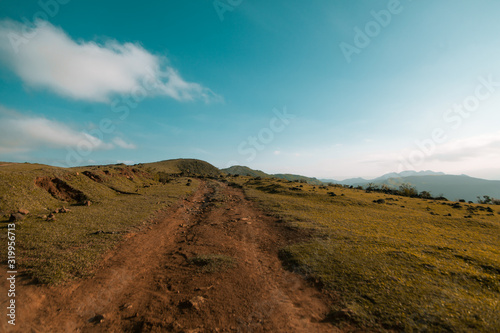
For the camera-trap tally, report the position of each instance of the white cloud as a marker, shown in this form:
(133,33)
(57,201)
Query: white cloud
(128,162)
(467,155)
(20,133)
(477,156)
(122,144)
(45,56)
(486,145)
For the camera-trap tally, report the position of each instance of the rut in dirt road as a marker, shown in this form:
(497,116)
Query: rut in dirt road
(209,264)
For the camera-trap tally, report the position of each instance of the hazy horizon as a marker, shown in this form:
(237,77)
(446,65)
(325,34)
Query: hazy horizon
(327,90)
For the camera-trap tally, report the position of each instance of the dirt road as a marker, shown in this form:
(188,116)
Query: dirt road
(149,284)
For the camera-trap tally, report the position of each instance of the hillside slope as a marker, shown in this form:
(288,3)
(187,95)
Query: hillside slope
(87,208)
(36,186)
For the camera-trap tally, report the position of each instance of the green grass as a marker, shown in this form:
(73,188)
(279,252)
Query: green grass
(393,266)
(123,198)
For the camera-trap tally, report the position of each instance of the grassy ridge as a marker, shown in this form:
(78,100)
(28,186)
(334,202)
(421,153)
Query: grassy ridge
(186,167)
(246,171)
(122,198)
(401,263)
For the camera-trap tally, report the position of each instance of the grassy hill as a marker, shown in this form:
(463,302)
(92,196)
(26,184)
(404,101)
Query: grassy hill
(298,178)
(246,171)
(187,167)
(99,205)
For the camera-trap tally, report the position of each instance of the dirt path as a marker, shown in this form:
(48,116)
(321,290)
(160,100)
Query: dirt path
(148,283)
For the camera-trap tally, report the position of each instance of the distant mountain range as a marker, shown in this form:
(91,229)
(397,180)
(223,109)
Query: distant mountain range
(453,187)
(450,186)
(378,180)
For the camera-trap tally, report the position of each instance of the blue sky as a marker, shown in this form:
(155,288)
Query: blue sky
(331,89)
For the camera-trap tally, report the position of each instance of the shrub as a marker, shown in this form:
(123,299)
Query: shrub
(425,195)
(164,177)
(407,190)
(486,199)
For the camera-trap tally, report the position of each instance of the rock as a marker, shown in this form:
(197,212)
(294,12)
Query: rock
(197,302)
(15,217)
(23,211)
(126,306)
(51,217)
(64,210)
(97,319)
(194,303)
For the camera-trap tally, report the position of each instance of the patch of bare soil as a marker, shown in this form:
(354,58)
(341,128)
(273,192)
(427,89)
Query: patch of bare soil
(92,175)
(149,283)
(60,190)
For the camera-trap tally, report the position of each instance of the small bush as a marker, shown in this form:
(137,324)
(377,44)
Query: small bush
(486,200)
(407,190)
(164,177)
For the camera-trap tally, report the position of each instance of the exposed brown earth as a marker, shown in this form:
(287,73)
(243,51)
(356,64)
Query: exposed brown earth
(150,284)
(59,189)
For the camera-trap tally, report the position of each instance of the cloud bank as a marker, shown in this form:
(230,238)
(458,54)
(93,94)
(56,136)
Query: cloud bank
(44,56)
(481,146)
(20,133)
